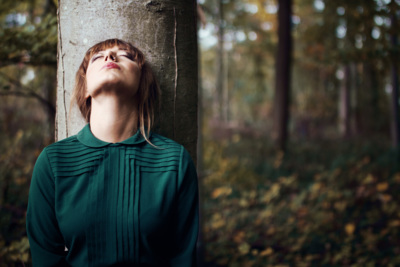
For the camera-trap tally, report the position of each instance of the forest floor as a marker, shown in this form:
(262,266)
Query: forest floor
(322,203)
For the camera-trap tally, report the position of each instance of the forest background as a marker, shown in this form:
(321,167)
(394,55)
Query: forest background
(323,194)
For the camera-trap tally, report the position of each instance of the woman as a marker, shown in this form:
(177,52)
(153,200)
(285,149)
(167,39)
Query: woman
(115,194)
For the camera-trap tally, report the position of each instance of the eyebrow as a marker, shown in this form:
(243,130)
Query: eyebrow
(102,51)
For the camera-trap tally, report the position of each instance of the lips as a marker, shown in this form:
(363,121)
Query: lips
(110,65)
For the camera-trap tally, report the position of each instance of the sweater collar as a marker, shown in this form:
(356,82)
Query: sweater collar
(86,137)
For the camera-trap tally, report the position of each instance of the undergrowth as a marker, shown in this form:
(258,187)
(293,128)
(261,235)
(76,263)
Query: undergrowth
(319,204)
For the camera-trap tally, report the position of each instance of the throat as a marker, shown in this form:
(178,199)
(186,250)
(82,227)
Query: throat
(112,122)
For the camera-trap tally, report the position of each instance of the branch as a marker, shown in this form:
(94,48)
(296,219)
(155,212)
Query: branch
(26,92)
(15,61)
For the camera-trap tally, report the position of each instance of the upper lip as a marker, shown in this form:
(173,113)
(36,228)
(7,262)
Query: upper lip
(110,65)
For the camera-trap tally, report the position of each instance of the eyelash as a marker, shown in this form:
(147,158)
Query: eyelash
(94,58)
(129,56)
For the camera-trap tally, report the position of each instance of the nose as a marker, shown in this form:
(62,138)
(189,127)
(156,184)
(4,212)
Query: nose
(110,56)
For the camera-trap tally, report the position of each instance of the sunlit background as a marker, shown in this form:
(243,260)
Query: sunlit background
(328,197)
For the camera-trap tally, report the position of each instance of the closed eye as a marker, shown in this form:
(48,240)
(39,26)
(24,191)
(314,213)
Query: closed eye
(95,57)
(128,56)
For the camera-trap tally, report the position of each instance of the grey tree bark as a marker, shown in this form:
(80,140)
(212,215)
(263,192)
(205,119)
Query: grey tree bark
(164,30)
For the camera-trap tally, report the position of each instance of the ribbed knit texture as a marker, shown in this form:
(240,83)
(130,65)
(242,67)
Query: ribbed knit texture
(122,204)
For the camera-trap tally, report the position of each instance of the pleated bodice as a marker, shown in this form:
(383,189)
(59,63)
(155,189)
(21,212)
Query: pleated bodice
(124,203)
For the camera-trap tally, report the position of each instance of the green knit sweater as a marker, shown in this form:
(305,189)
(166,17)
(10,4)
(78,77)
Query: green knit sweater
(93,203)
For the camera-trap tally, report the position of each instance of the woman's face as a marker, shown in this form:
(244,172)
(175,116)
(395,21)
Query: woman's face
(112,71)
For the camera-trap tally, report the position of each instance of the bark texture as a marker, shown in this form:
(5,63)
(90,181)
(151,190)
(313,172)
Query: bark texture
(164,30)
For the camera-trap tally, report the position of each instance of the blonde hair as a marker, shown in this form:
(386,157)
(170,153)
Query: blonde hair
(148,92)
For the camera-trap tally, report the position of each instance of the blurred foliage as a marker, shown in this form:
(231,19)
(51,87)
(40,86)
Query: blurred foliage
(23,137)
(321,204)
(28,32)
(328,36)
(16,252)
(28,41)
(329,200)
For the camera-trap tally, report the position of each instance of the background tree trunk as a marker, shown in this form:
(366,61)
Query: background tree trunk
(395,120)
(220,81)
(344,103)
(283,63)
(164,30)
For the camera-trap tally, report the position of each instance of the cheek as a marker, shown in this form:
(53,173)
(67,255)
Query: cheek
(87,95)
(137,76)
(89,80)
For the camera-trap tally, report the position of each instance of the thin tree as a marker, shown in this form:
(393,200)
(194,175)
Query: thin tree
(344,103)
(282,76)
(395,87)
(220,61)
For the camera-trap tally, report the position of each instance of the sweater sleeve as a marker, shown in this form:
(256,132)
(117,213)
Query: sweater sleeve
(45,239)
(187,214)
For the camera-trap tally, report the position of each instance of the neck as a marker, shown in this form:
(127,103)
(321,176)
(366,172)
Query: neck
(113,120)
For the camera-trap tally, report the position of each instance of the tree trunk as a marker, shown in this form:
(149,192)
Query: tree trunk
(225,89)
(354,92)
(395,125)
(283,63)
(259,81)
(164,30)
(219,87)
(200,160)
(344,104)
(48,92)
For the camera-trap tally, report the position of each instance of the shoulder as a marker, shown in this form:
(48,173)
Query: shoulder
(162,151)
(163,145)
(52,149)
(68,147)
(174,150)
(164,142)
(67,142)
(69,156)
(63,148)
(44,166)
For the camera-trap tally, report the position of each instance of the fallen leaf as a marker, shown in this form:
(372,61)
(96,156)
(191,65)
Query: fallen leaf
(268,251)
(394,223)
(369,179)
(221,191)
(349,228)
(238,237)
(382,186)
(244,248)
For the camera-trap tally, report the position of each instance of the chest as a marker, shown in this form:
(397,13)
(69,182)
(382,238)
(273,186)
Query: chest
(118,194)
